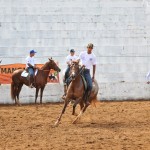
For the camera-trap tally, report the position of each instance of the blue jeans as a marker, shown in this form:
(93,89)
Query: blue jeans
(67,74)
(31,75)
(31,71)
(88,79)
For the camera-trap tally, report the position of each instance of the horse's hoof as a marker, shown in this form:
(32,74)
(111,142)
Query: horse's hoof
(63,97)
(75,121)
(75,114)
(41,104)
(56,123)
(18,104)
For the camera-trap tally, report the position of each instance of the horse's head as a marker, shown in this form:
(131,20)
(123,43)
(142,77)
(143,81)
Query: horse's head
(53,65)
(74,69)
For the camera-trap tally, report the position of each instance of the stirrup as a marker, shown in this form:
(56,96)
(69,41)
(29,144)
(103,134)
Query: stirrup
(64,96)
(65,83)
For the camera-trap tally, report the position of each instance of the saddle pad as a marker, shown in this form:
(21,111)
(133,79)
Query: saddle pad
(24,73)
(36,71)
(84,82)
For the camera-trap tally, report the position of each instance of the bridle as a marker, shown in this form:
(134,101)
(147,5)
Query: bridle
(79,73)
(46,70)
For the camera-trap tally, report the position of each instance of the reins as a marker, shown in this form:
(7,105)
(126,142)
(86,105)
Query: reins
(80,71)
(77,74)
(45,70)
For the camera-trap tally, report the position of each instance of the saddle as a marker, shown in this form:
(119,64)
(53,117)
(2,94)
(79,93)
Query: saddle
(84,82)
(83,79)
(25,73)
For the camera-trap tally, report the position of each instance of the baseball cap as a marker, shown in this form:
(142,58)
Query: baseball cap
(32,51)
(72,50)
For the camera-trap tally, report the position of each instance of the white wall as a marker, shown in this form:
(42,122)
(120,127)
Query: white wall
(119,29)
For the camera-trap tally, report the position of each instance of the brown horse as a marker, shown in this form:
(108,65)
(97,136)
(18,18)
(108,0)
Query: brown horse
(40,80)
(76,91)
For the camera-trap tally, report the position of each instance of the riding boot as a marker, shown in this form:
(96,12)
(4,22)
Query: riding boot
(31,82)
(87,97)
(65,91)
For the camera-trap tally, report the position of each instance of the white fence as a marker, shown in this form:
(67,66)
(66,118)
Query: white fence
(119,29)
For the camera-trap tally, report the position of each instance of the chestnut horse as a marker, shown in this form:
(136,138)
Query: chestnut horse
(40,80)
(76,91)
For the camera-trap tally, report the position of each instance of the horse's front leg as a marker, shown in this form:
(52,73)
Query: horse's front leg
(80,114)
(75,104)
(41,94)
(63,111)
(36,94)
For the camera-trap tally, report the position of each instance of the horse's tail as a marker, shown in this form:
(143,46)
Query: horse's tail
(12,90)
(94,101)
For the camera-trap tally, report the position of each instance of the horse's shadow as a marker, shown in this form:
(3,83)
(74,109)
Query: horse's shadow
(104,125)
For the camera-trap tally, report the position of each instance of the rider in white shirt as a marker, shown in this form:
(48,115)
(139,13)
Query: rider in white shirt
(30,60)
(69,59)
(30,66)
(88,61)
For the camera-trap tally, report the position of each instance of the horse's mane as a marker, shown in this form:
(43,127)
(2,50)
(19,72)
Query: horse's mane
(45,65)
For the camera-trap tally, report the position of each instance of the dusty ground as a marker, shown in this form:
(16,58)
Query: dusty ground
(110,126)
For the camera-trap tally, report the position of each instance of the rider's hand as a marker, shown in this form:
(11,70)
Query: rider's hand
(83,66)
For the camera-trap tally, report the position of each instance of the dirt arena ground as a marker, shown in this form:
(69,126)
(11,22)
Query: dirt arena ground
(109,126)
